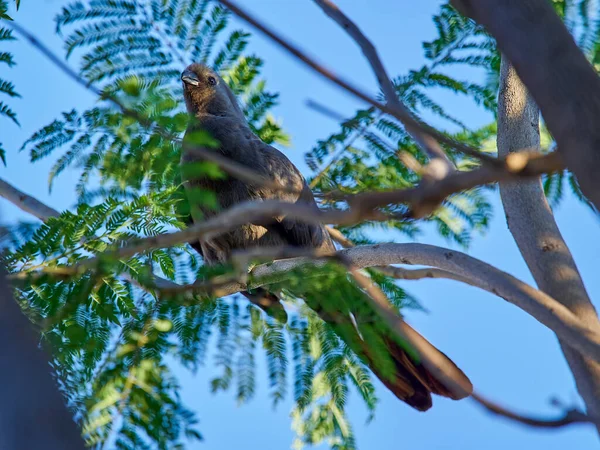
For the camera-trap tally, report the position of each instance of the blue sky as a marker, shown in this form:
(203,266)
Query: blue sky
(507,354)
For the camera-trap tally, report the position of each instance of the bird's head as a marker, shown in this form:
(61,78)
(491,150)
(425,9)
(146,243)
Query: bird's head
(205,92)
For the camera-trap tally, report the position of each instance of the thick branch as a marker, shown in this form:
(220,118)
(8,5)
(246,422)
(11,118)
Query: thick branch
(477,273)
(362,207)
(563,83)
(535,231)
(400,273)
(429,145)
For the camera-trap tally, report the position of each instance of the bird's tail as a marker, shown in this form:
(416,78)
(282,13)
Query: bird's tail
(412,382)
(408,379)
(268,302)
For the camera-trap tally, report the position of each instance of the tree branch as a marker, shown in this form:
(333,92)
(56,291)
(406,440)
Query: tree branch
(477,273)
(539,305)
(563,83)
(26,203)
(532,224)
(406,119)
(398,273)
(43,212)
(570,417)
(362,207)
(427,143)
(423,198)
(223,287)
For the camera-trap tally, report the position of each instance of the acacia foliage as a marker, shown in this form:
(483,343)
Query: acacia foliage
(7,88)
(115,341)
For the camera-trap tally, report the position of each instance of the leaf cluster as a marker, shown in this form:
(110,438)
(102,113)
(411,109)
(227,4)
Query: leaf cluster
(7,88)
(114,339)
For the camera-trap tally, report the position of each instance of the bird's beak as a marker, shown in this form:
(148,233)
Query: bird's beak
(189,77)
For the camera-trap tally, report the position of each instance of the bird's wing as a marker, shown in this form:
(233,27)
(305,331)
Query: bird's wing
(280,169)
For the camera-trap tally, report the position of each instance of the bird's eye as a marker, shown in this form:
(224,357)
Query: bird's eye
(212,81)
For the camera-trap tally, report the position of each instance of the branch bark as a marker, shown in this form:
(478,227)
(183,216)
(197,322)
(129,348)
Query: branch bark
(532,224)
(399,273)
(26,203)
(562,82)
(477,273)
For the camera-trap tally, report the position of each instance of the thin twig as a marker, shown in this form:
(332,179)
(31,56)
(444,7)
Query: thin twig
(43,212)
(406,119)
(163,35)
(424,140)
(401,273)
(570,417)
(326,111)
(339,237)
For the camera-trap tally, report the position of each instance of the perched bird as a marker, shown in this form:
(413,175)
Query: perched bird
(216,110)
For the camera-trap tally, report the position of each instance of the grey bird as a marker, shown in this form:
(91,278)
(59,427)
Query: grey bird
(216,110)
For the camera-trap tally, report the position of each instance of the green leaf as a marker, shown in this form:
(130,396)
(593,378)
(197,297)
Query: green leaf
(201,138)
